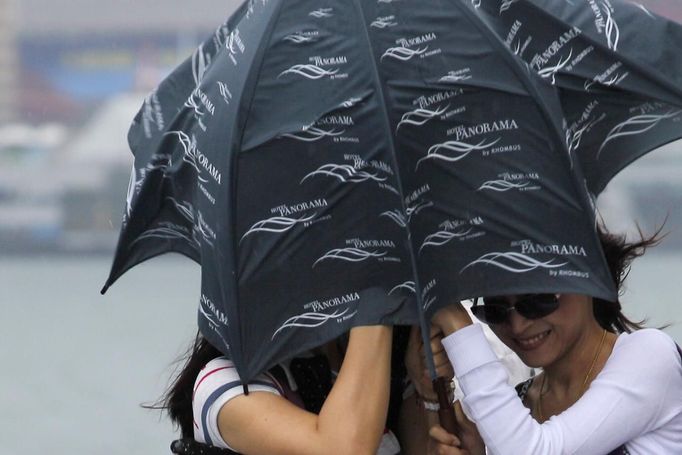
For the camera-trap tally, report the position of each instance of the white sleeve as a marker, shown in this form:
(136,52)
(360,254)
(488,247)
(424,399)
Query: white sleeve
(636,392)
(217,383)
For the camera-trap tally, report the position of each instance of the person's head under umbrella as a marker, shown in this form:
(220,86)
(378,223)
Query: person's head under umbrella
(608,385)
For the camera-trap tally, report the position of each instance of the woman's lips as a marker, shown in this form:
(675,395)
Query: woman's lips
(532,342)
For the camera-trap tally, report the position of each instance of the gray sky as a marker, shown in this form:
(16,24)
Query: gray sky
(50,16)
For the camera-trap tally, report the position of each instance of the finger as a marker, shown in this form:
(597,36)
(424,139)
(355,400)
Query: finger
(440,355)
(445,372)
(436,345)
(436,349)
(449,450)
(442,436)
(443,366)
(463,421)
(440,360)
(426,387)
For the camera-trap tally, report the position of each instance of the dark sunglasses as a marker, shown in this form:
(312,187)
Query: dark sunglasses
(495,310)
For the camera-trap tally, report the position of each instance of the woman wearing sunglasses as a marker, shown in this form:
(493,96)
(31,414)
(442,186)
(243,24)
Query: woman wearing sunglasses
(607,385)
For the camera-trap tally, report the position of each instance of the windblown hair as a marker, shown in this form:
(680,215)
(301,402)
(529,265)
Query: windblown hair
(619,255)
(177,400)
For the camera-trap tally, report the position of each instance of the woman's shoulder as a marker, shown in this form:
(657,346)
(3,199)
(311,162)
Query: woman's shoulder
(219,362)
(221,367)
(649,337)
(651,347)
(221,374)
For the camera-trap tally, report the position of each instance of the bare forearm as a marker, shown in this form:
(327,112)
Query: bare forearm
(413,427)
(352,418)
(356,408)
(451,319)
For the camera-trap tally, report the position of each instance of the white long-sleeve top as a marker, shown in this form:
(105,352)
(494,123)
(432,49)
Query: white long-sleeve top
(635,400)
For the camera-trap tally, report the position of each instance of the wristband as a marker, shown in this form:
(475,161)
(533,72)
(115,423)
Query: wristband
(432,406)
(428,405)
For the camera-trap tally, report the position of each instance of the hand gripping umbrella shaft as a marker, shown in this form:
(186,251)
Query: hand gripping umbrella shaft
(446,413)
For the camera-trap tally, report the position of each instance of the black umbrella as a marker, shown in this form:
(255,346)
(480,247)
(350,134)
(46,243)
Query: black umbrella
(618,67)
(332,163)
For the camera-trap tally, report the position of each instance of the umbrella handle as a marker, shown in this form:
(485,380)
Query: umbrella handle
(446,412)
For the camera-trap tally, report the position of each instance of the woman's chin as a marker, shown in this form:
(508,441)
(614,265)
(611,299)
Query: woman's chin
(534,351)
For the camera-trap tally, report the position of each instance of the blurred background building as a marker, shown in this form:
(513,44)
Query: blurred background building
(8,60)
(73,73)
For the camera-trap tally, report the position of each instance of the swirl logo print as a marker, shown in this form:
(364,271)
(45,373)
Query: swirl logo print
(523,259)
(453,229)
(358,250)
(637,125)
(319,67)
(408,48)
(384,22)
(289,216)
(507,181)
(195,158)
(316,315)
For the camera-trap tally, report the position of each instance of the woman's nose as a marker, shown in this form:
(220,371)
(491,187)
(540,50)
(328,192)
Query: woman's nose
(517,323)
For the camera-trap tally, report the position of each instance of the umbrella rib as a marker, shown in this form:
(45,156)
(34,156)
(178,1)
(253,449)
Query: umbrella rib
(247,93)
(392,148)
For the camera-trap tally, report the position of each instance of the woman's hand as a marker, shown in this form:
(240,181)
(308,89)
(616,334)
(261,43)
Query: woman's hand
(469,441)
(415,362)
(451,318)
(443,443)
(468,433)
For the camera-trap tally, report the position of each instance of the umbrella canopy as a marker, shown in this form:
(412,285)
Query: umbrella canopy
(618,68)
(343,162)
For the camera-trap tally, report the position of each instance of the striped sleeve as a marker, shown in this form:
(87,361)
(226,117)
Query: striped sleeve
(217,383)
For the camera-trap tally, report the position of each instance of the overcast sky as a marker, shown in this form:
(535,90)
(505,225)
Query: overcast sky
(48,16)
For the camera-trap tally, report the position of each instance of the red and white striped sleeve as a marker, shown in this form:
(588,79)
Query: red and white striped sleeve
(217,383)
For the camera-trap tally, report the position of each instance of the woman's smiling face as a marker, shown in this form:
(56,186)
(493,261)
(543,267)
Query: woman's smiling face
(543,341)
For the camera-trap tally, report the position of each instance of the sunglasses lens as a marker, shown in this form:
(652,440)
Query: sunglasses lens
(491,312)
(495,310)
(537,305)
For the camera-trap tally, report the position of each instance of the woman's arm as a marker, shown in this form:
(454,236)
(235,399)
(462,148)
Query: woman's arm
(351,421)
(416,422)
(414,419)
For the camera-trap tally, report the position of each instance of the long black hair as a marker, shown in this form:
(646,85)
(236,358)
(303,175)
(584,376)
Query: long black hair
(620,253)
(177,400)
